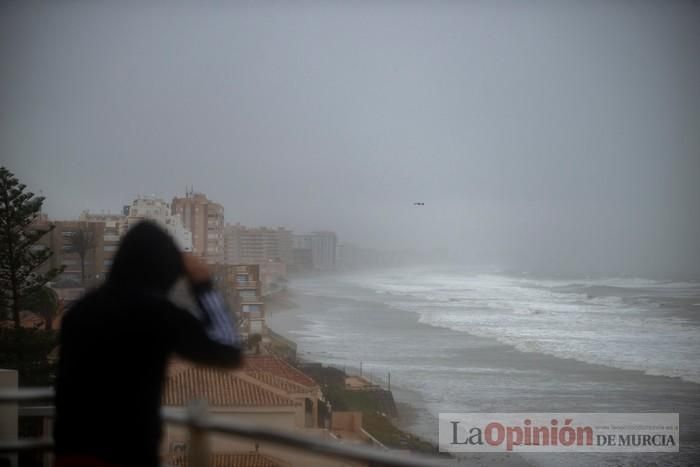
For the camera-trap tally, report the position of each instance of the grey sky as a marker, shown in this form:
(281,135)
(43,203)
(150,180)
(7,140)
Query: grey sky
(554,136)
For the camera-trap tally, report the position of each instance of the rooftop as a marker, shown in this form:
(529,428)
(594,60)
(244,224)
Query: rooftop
(221,388)
(278,367)
(231,459)
(278,382)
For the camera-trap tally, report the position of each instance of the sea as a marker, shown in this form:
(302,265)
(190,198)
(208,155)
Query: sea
(451,340)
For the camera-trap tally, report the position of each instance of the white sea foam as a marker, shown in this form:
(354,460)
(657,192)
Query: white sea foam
(535,315)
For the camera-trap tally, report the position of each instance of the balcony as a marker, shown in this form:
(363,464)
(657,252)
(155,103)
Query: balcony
(200,425)
(250,300)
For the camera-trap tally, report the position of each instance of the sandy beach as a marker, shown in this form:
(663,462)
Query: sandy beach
(441,370)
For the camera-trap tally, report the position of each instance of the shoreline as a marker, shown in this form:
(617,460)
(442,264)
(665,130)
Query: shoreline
(283,302)
(291,294)
(488,376)
(409,403)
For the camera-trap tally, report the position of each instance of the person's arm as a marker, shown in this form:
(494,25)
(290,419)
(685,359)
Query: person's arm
(192,339)
(213,340)
(215,314)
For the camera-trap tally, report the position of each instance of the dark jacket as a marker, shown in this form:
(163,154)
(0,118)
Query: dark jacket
(114,347)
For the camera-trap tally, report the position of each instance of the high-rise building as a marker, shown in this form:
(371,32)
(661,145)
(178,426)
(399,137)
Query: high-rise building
(114,229)
(245,245)
(159,211)
(242,286)
(323,250)
(205,220)
(320,246)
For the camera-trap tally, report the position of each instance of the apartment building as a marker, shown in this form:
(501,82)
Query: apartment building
(205,220)
(115,226)
(244,245)
(243,289)
(79,247)
(159,211)
(319,246)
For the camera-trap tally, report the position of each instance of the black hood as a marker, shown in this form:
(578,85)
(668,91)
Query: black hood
(147,259)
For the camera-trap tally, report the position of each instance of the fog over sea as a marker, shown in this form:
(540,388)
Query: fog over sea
(458,341)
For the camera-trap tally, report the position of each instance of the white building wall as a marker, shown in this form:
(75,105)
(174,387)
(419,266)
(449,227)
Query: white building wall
(159,211)
(323,248)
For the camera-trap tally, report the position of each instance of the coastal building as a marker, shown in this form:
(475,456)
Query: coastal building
(279,375)
(228,394)
(114,223)
(114,228)
(159,211)
(273,276)
(248,300)
(321,246)
(205,220)
(243,290)
(265,392)
(244,245)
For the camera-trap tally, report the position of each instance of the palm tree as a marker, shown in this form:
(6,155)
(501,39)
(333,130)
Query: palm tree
(82,242)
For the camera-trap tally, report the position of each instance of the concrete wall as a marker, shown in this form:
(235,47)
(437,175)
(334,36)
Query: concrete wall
(346,421)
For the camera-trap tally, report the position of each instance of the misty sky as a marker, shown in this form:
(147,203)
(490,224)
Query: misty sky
(542,136)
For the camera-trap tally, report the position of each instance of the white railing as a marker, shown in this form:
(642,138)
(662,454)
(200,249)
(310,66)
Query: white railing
(200,424)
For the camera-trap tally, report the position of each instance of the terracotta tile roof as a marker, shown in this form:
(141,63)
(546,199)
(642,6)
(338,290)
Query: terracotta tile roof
(230,459)
(27,319)
(221,388)
(176,365)
(277,367)
(279,382)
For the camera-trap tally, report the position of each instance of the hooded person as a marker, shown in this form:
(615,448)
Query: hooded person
(115,344)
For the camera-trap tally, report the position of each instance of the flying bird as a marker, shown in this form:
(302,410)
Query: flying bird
(419,204)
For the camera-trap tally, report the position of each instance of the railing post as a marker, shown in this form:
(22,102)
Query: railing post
(9,412)
(198,446)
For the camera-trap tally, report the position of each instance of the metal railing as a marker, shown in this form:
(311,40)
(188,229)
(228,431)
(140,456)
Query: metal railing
(200,423)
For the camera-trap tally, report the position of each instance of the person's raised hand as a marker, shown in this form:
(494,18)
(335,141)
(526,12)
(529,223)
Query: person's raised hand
(196,270)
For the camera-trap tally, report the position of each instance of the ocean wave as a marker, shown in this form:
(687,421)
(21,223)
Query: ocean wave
(567,319)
